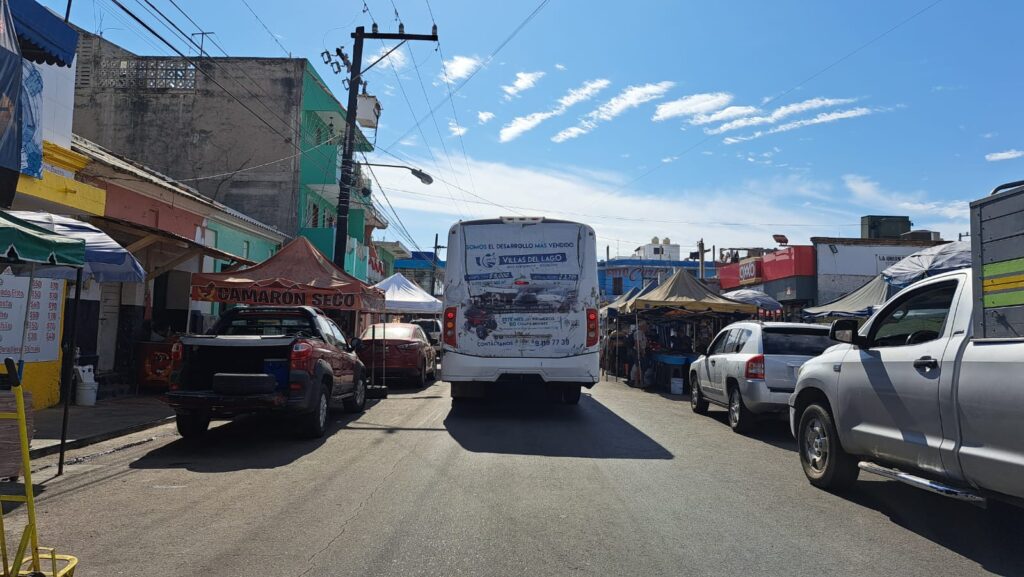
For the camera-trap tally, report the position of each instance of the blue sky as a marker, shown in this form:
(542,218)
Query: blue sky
(730,121)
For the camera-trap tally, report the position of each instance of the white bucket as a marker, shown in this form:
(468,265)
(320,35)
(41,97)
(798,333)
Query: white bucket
(677,385)
(86,386)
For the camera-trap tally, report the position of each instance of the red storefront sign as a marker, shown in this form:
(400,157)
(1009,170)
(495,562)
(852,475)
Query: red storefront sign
(751,270)
(789,262)
(729,275)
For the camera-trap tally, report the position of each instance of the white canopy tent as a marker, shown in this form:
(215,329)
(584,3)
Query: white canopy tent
(404,297)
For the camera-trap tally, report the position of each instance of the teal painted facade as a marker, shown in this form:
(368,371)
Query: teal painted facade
(238,242)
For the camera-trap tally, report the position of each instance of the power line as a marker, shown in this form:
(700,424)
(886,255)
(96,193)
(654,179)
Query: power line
(272,35)
(833,64)
(453,92)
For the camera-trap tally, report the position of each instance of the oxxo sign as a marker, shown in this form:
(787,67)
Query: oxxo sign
(751,271)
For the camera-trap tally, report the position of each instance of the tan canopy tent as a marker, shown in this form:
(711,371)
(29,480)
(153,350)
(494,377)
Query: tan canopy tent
(684,292)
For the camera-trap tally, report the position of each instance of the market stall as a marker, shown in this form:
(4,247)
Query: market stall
(675,323)
(929,262)
(298,275)
(767,307)
(859,303)
(404,297)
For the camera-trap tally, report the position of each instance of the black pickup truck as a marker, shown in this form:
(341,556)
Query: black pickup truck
(291,360)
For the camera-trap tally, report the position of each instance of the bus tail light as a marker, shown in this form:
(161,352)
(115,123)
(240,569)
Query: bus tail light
(755,368)
(449,326)
(592,329)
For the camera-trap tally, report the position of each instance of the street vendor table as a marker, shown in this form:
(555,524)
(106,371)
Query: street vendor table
(672,365)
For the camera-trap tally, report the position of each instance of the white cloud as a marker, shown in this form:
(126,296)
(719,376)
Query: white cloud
(523,81)
(682,213)
(522,124)
(459,67)
(631,97)
(484,117)
(455,129)
(1005,155)
(396,59)
(408,141)
(691,105)
(560,66)
(669,159)
(869,193)
(727,113)
(780,113)
(990,135)
(821,118)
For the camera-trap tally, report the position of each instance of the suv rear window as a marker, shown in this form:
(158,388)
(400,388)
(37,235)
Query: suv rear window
(793,341)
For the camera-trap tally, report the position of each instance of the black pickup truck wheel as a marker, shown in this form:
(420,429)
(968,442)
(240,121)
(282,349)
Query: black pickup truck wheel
(314,423)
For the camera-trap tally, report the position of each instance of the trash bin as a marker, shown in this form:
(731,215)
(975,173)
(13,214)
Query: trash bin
(86,386)
(677,385)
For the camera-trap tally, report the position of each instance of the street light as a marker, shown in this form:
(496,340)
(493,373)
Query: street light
(424,177)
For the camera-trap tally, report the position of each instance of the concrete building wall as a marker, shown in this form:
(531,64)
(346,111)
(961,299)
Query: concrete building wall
(165,114)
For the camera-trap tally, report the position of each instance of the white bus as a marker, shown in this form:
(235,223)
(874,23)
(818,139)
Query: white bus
(521,299)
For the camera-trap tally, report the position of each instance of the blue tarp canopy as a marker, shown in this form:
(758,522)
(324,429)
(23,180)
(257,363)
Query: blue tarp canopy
(757,298)
(44,37)
(105,260)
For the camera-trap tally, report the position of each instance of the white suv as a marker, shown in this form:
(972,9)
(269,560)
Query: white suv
(751,368)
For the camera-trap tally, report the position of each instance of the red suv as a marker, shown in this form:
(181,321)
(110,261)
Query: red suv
(265,359)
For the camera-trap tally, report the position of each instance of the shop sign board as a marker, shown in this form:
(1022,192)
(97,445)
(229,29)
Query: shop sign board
(751,271)
(859,259)
(42,338)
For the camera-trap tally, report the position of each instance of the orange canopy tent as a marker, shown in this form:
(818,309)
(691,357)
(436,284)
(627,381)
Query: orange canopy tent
(297,275)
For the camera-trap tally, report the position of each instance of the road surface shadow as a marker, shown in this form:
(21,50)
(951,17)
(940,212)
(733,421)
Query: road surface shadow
(992,538)
(11,488)
(769,429)
(256,442)
(524,426)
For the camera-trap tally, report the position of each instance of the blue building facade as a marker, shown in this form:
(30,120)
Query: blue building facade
(422,270)
(617,276)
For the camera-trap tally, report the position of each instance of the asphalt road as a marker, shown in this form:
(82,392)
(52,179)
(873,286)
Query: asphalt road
(627,483)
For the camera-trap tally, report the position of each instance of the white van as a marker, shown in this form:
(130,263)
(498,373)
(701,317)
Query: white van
(521,299)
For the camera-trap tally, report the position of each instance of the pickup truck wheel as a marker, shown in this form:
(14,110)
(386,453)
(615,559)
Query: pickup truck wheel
(192,426)
(741,419)
(825,463)
(698,404)
(357,402)
(315,423)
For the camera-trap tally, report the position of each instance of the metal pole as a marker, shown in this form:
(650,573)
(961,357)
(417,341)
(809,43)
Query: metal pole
(24,320)
(67,366)
(67,13)
(348,151)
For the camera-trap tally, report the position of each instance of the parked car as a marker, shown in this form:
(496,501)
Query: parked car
(750,368)
(394,351)
(432,327)
(290,360)
(915,397)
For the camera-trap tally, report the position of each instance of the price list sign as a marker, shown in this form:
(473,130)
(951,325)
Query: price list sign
(42,334)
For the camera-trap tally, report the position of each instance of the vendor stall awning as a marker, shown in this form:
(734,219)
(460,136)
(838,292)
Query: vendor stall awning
(44,37)
(23,241)
(298,274)
(139,236)
(402,296)
(683,291)
(860,303)
(105,260)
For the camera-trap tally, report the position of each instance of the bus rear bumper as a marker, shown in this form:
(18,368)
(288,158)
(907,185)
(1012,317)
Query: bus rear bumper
(582,369)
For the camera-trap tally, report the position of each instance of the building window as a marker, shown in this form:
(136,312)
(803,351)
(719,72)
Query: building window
(330,221)
(617,285)
(314,215)
(657,250)
(245,249)
(151,73)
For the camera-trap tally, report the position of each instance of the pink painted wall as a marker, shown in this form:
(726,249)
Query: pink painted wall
(131,206)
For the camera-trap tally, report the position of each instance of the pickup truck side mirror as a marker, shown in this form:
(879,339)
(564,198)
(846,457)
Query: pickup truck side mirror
(355,344)
(845,331)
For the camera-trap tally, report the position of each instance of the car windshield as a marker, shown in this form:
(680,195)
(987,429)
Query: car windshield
(389,331)
(267,325)
(795,341)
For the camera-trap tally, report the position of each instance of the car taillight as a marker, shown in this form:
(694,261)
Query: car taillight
(177,351)
(302,352)
(755,368)
(449,326)
(592,330)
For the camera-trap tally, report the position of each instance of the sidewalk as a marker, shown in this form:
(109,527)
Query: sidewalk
(87,425)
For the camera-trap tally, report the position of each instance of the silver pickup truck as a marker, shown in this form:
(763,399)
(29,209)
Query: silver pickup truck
(914,396)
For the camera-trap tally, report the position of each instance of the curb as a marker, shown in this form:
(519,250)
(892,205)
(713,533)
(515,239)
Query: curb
(86,441)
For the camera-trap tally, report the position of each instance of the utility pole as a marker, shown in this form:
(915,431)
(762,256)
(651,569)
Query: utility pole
(700,255)
(433,268)
(348,152)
